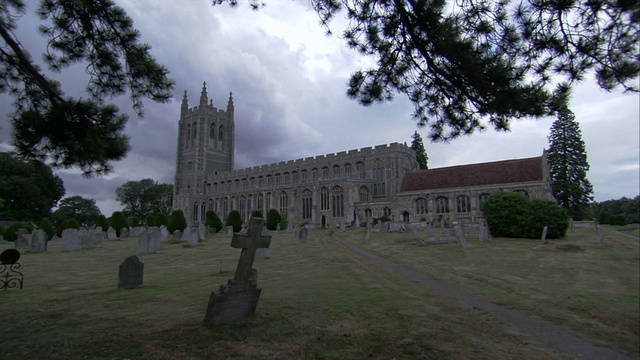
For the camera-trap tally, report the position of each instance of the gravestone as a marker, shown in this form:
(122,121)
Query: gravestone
(368,231)
(38,241)
(603,237)
(146,244)
(177,235)
(343,227)
(462,239)
(192,236)
(130,273)
(430,229)
(138,230)
(416,231)
(229,230)
(304,233)
(544,234)
(484,231)
(442,222)
(70,240)
(202,232)
(23,240)
(357,224)
(278,227)
(111,233)
(239,297)
(164,234)
(124,233)
(296,231)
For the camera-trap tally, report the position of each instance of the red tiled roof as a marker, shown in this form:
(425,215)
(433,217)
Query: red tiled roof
(499,172)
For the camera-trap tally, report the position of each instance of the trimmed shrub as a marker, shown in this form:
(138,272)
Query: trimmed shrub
(256,214)
(547,213)
(118,221)
(160,219)
(512,214)
(151,220)
(619,220)
(10,233)
(212,220)
(506,212)
(176,221)
(67,224)
(283,222)
(605,218)
(234,219)
(273,218)
(46,226)
(102,221)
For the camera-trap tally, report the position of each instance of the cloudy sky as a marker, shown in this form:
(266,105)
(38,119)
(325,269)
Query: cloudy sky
(288,81)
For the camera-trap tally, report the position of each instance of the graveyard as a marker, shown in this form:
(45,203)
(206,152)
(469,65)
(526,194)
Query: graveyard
(322,300)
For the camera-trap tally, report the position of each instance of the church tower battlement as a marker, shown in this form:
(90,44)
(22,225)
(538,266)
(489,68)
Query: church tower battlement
(205,146)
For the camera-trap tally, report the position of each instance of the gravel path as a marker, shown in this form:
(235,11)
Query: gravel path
(553,336)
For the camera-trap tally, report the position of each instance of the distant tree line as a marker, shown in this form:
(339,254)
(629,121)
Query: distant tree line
(617,212)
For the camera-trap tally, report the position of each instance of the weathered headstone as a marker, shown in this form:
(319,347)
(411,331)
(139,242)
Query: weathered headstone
(70,240)
(343,227)
(138,230)
(111,233)
(229,230)
(202,231)
(296,231)
(416,231)
(396,227)
(239,298)
(130,273)
(430,229)
(544,234)
(462,239)
(442,222)
(303,234)
(38,241)
(278,227)
(368,231)
(177,235)
(23,239)
(124,233)
(164,234)
(484,231)
(192,237)
(261,254)
(186,233)
(357,222)
(603,236)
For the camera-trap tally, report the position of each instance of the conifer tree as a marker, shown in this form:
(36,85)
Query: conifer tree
(421,153)
(568,165)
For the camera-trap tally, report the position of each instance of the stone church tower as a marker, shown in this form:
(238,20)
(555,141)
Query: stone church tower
(205,147)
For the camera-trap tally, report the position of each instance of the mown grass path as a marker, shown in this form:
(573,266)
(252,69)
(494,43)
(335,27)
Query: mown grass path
(553,336)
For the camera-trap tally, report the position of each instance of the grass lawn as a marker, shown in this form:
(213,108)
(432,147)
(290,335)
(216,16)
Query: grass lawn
(320,300)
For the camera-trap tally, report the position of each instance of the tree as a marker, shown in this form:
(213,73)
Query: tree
(29,188)
(421,153)
(160,219)
(467,63)
(102,221)
(85,211)
(118,221)
(67,224)
(46,226)
(234,219)
(212,220)
(176,221)
(273,218)
(145,197)
(567,159)
(83,132)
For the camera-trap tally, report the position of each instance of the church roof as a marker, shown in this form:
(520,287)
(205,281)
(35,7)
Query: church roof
(499,172)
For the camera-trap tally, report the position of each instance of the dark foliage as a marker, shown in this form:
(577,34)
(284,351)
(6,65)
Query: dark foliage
(256,214)
(118,221)
(85,211)
(234,219)
(46,226)
(10,232)
(176,221)
(629,208)
(85,132)
(273,218)
(67,224)
(421,153)
(213,221)
(102,221)
(160,219)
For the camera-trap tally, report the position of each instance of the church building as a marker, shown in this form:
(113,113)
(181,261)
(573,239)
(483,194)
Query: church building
(344,187)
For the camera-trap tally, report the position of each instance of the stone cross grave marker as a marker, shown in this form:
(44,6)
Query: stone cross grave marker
(239,298)
(130,273)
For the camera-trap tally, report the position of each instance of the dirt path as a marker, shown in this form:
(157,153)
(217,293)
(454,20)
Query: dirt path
(553,336)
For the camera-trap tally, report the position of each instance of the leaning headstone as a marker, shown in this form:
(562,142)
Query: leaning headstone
(111,233)
(124,233)
(202,231)
(130,273)
(229,230)
(462,239)
(70,240)
(544,234)
(39,241)
(603,237)
(303,234)
(238,299)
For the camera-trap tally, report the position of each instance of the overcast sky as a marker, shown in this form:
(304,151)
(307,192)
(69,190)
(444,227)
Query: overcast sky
(289,81)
